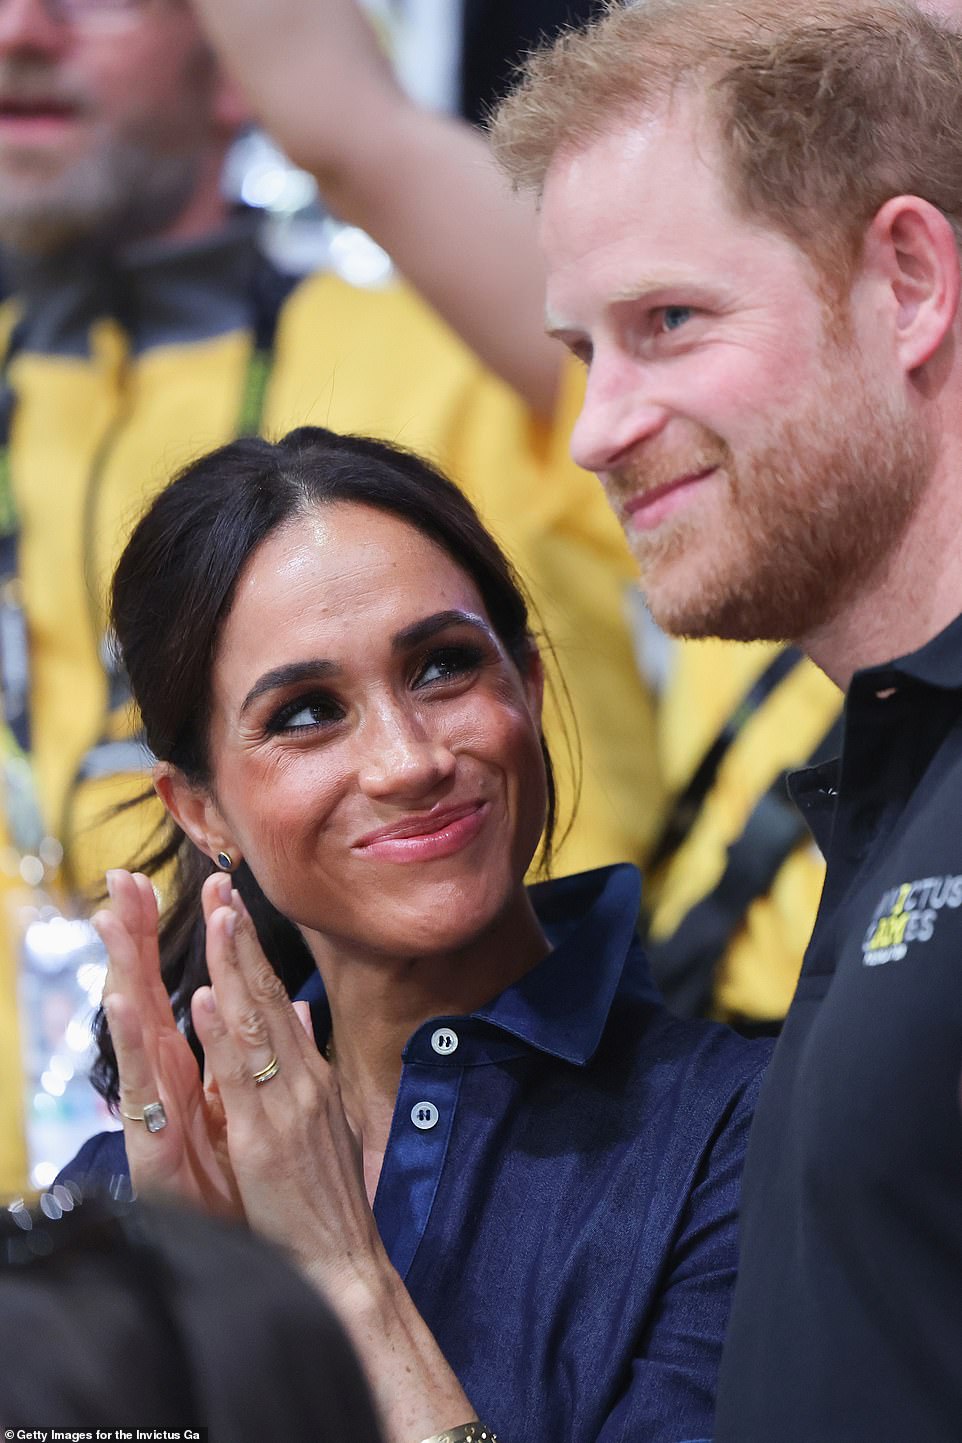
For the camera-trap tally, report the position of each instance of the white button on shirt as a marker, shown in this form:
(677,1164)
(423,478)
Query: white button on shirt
(444,1041)
(424,1115)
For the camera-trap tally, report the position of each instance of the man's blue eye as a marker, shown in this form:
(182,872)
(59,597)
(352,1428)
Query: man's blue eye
(673,317)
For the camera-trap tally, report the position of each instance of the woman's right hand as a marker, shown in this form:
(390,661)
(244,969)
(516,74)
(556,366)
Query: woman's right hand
(188,1156)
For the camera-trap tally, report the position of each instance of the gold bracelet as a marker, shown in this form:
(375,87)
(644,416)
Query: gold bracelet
(473,1432)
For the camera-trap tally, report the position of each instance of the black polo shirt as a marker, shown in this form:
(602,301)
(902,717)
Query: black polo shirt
(847,1321)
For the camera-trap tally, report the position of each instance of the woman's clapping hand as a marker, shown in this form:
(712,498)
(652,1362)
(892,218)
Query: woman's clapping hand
(188,1156)
(279,1151)
(297,1163)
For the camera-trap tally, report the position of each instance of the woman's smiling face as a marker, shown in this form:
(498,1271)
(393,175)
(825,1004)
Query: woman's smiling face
(375,751)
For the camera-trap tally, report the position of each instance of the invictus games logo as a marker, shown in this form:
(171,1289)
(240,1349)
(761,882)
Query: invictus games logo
(908,913)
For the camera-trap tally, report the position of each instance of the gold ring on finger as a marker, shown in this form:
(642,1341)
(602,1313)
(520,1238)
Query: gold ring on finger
(266,1073)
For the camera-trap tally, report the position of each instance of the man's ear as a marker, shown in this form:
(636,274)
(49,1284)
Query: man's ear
(194,811)
(231,110)
(912,248)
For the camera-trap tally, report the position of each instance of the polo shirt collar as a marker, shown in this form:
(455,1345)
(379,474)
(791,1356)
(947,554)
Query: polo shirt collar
(562,1005)
(938,663)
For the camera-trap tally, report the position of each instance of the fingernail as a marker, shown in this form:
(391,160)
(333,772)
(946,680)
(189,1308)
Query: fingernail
(230,923)
(238,903)
(208,1002)
(221,886)
(111,882)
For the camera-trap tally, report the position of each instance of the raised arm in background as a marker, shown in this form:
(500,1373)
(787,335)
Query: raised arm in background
(318,81)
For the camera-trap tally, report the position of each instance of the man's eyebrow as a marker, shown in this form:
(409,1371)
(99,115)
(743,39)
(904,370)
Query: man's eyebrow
(293,672)
(650,289)
(429,626)
(632,291)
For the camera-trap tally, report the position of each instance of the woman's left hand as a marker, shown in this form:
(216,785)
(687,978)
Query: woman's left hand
(299,1170)
(296,1161)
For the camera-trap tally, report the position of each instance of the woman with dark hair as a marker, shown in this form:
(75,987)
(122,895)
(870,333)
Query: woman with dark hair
(514,1175)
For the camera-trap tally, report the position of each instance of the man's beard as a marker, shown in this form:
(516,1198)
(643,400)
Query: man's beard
(115,194)
(128,182)
(810,518)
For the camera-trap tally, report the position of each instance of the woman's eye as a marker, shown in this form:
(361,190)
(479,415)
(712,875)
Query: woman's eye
(448,664)
(674,317)
(305,713)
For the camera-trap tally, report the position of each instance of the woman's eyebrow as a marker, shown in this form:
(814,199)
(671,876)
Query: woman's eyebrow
(293,672)
(317,669)
(429,626)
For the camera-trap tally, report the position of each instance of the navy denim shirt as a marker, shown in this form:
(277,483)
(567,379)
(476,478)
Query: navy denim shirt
(560,1186)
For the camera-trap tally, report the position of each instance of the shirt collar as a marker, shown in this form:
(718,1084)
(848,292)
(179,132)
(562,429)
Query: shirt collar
(938,663)
(561,1006)
(162,293)
(814,790)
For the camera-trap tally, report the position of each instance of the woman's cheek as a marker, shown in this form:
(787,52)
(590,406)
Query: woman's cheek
(289,811)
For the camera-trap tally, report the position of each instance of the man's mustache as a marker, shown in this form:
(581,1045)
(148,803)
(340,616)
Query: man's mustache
(31,84)
(641,474)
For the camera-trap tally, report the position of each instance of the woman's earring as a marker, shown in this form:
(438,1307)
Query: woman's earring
(225,861)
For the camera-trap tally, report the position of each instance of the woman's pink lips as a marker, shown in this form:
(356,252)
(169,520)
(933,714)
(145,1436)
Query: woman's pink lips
(651,507)
(425,838)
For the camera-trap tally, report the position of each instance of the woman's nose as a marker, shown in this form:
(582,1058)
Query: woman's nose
(402,760)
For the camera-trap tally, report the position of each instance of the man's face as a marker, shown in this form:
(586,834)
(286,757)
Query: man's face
(763,469)
(103,123)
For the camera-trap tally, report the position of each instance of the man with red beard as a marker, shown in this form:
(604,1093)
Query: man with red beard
(751,219)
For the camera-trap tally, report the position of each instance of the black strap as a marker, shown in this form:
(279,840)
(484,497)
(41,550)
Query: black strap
(683,814)
(684,963)
(270,288)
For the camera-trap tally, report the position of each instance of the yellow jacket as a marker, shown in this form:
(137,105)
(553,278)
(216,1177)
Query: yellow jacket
(756,976)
